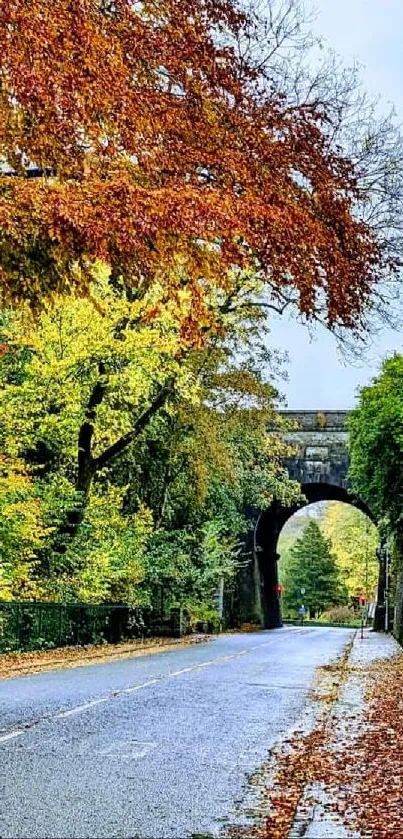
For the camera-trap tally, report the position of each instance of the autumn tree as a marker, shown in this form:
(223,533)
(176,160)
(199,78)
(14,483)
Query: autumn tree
(281,45)
(137,134)
(130,497)
(90,375)
(355,540)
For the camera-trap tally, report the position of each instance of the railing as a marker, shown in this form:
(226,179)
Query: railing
(32,626)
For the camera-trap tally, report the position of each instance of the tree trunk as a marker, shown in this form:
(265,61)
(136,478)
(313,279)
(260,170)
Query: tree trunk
(87,465)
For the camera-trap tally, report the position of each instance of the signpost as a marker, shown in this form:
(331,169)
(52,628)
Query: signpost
(363,604)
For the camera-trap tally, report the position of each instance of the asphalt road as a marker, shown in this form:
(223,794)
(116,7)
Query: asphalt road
(156,746)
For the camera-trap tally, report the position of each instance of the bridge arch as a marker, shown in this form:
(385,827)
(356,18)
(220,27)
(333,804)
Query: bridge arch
(320,464)
(268,528)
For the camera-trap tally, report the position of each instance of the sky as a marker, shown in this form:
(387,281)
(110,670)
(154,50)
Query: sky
(370,32)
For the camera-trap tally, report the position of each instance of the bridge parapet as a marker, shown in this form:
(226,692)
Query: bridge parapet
(319,421)
(320,439)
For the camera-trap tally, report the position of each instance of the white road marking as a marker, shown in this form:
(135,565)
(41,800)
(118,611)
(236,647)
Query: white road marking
(78,709)
(139,753)
(140,686)
(10,735)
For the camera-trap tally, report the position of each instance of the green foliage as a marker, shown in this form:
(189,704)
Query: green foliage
(105,562)
(21,530)
(117,508)
(340,614)
(64,353)
(376,444)
(312,566)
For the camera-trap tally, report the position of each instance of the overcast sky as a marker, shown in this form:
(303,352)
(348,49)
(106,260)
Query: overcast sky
(370,31)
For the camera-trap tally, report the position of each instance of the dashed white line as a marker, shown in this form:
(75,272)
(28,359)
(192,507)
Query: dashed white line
(10,735)
(78,709)
(140,686)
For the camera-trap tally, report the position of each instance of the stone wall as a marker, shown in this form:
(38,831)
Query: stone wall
(398,581)
(320,439)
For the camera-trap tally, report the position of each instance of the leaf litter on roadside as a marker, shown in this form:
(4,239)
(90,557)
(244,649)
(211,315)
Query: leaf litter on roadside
(361,773)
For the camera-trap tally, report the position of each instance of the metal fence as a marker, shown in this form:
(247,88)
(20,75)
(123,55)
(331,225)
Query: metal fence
(32,626)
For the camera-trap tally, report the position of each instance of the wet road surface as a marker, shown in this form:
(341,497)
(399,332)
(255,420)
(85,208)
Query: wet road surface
(155,746)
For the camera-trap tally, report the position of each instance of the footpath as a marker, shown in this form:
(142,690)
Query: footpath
(339,773)
(357,771)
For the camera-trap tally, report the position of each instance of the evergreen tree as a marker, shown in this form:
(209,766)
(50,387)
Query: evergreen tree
(312,566)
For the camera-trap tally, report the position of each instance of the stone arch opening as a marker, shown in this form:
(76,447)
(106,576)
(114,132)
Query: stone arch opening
(267,531)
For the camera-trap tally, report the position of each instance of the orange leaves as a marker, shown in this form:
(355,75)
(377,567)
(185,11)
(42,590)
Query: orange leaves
(151,144)
(356,761)
(377,770)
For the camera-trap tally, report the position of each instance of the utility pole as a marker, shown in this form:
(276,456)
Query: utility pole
(367,526)
(220,597)
(386,596)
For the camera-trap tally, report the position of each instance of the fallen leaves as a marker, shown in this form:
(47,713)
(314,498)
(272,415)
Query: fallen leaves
(362,776)
(293,767)
(23,663)
(375,773)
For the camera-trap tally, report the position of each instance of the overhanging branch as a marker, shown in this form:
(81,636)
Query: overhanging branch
(140,424)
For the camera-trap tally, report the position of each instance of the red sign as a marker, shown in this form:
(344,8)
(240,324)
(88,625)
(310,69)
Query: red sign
(278,588)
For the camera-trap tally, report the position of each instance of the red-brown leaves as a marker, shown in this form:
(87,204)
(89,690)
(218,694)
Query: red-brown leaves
(358,768)
(159,151)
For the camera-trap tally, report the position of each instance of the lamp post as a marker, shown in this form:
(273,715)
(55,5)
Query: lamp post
(383,588)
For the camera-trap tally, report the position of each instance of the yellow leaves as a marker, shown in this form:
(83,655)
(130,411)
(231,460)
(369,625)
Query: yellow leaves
(111,559)
(354,541)
(69,339)
(21,527)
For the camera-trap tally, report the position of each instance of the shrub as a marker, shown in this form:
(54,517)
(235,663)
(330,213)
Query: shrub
(339,614)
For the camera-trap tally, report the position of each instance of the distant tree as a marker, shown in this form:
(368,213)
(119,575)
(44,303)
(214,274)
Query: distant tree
(312,566)
(354,541)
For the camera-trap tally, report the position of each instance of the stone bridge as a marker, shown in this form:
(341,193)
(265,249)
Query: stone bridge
(320,464)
